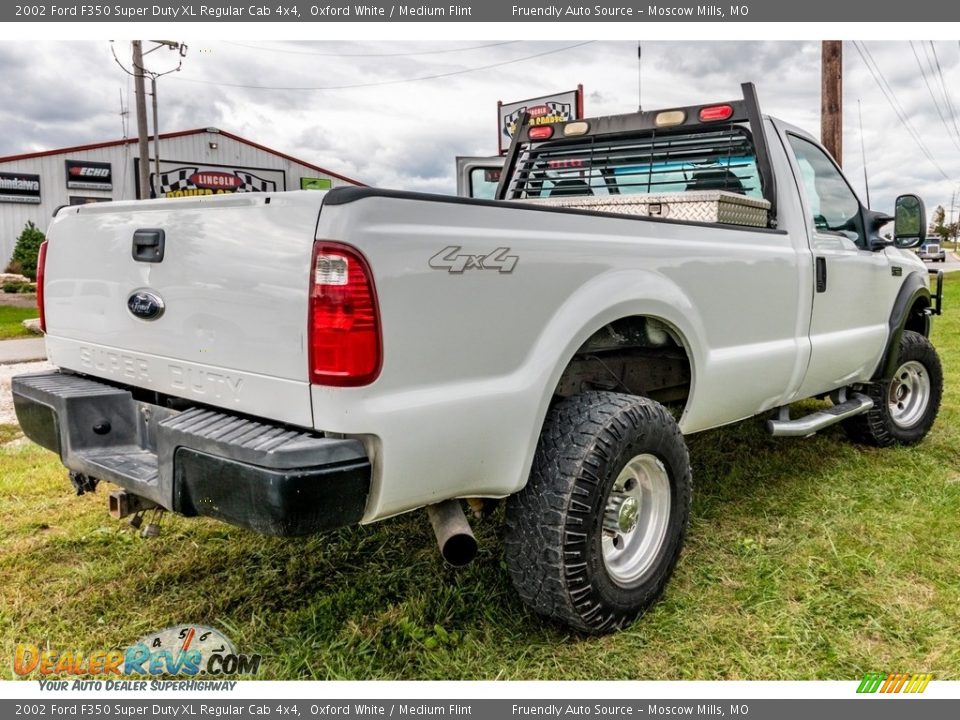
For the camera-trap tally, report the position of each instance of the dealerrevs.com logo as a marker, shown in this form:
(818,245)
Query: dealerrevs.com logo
(180,650)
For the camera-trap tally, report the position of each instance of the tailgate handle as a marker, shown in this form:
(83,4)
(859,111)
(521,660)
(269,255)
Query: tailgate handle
(148,245)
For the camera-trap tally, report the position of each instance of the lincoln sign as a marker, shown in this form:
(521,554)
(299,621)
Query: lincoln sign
(185,179)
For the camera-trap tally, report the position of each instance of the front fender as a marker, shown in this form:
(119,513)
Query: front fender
(915,289)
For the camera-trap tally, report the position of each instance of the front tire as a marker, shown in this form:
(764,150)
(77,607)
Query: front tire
(593,538)
(905,407)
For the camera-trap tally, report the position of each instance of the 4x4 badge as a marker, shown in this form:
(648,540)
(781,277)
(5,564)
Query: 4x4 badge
(145,305)
(453,261)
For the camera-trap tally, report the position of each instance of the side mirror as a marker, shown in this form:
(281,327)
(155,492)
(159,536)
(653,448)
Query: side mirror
(910,222)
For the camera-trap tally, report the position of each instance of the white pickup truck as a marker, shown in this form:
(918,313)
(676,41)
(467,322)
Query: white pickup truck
(294,362)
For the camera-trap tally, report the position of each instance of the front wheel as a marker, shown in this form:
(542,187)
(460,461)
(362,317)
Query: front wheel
(905,407)
(594,536)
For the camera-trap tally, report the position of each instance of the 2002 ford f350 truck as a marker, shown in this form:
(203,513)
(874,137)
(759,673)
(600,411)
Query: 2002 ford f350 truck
(292,362)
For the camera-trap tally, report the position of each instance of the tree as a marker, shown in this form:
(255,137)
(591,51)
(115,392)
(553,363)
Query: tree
(24,260)
(939,225)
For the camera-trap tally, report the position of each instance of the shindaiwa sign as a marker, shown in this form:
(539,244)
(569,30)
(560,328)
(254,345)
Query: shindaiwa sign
(19,188)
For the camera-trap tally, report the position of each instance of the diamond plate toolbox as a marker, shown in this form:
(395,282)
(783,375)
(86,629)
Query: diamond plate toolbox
(705,206)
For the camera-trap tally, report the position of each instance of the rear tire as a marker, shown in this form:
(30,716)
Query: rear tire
(904,408)
(593,538)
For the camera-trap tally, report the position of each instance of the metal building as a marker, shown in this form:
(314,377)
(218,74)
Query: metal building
(204,161)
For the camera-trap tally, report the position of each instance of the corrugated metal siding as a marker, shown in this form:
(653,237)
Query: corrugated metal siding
(187,148)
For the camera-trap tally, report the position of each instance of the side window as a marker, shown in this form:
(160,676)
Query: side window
(834,205)
(483,182)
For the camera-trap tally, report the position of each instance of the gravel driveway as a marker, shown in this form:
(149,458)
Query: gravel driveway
(7,414)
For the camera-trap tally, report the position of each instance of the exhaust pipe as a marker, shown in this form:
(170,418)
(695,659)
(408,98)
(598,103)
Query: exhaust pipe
(457,544)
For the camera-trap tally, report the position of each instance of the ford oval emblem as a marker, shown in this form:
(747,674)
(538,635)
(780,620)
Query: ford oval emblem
(145,305)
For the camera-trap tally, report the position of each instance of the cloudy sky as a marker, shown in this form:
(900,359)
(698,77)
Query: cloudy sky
(395,114)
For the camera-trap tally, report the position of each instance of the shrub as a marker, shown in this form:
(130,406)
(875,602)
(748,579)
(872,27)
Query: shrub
(24,260)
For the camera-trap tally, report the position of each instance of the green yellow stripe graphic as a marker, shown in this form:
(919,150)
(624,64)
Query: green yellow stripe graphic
(894,682)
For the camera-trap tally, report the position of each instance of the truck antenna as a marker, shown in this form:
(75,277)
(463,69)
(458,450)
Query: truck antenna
(863,152)
(639,77)
(124,114)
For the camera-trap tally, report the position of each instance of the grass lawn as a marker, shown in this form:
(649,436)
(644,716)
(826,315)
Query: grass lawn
(11,321)
(805,559)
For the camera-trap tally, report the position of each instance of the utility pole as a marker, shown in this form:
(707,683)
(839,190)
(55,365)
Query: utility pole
(141,119)
(831,98)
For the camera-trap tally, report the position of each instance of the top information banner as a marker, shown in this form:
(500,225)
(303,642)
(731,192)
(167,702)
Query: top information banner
(487,11)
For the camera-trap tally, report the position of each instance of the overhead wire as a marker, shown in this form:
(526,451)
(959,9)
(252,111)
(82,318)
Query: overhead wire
(891,97)
(946,93)
(120,64)
(380,83)
(936,102)
(373,55)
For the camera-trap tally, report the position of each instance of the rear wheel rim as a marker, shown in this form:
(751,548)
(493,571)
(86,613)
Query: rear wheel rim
(635,520)
(909,394)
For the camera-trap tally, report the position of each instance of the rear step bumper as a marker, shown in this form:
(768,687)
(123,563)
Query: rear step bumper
(260,476)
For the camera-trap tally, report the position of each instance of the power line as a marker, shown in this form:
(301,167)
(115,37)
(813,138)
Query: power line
(373,55)
(874,68)
(936,103)
(946,93)
(379,83)
(120,64)
(891,97)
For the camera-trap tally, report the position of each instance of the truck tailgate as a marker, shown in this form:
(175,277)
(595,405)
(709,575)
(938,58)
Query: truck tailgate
(233,282)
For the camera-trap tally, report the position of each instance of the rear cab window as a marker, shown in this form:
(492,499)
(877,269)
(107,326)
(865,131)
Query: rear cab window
(484,181)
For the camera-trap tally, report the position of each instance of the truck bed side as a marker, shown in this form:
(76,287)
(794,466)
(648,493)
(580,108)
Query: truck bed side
(476,352)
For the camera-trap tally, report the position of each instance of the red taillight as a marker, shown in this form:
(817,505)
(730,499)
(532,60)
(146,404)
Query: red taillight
(41,263)
(344,331)
(716,112)
(540,132)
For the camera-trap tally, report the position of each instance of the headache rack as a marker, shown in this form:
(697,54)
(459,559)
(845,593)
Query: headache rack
(702,162)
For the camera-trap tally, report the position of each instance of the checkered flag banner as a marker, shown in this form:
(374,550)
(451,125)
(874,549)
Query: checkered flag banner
(563,110)
(252,183)
(184,179)
(173,181)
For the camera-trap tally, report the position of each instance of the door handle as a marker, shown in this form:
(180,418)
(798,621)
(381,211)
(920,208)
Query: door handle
(821,274)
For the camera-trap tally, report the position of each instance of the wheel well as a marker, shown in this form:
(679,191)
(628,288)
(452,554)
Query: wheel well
(917,318)
(637,355)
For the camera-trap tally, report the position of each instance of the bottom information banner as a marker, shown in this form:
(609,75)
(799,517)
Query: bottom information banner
(873,708)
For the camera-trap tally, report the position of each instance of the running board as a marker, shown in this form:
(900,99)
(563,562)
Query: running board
(814,422)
